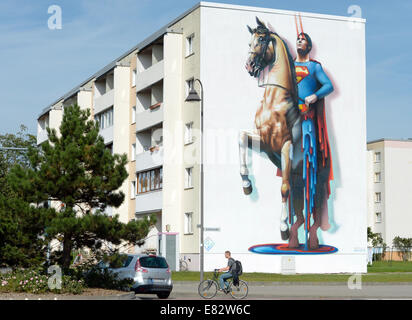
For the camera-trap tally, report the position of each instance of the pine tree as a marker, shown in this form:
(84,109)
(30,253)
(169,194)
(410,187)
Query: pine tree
(77,170)
(21,225)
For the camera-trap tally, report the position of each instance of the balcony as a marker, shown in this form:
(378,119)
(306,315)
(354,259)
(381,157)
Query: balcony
(104,101)
(149,202)
(41,136)
(149,159)
(107,134)
(150,117)
(148,77)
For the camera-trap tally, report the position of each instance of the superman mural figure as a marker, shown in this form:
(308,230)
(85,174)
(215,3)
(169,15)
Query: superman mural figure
(313,86)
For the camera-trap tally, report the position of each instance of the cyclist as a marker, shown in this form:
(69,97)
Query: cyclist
(228,272)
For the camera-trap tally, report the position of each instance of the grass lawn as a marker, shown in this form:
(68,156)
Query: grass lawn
(397,273)
(390,266)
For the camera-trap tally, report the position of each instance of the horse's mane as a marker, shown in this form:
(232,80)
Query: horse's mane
(293,73)
(266,31)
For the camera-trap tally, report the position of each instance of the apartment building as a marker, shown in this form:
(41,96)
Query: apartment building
(139,101)
(389,188)
(134,99)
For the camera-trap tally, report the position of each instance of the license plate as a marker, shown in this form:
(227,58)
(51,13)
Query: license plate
(157,280)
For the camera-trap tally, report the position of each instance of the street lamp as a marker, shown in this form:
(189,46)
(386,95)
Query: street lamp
(193,96)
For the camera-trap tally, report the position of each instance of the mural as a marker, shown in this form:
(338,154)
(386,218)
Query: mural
(277,181)
(290,128)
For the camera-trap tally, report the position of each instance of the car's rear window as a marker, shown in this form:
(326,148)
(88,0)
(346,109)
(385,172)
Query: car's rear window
(153,262)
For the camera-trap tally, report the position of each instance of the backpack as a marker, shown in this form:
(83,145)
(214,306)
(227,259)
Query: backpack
(238,268)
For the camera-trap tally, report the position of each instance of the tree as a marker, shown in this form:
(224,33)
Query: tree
(404,245)
(21,225)
(377,241)
(78,171)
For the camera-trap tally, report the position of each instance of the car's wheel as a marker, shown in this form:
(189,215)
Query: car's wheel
(163,295)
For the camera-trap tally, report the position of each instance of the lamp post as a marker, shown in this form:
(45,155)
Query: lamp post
(193,96)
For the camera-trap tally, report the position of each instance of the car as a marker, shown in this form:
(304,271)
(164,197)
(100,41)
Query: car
(150,273)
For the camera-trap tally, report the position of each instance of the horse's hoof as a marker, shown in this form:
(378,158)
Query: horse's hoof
(247,190)
(285,234)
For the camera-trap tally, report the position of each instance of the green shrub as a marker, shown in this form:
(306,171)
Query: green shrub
(106,279)
(36,281)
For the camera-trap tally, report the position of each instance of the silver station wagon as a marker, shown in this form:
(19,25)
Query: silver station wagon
(150,273)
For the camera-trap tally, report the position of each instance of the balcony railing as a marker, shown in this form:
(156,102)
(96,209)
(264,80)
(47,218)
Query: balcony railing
(41,136)
(151,158)
(149,201)
(150,76)
(150,117)
(104,101)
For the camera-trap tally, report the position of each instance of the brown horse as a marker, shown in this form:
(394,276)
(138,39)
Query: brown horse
(278,129)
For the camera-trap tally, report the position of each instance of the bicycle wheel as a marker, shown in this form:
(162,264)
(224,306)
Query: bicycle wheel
(183,265)
(240,291)
(207,289)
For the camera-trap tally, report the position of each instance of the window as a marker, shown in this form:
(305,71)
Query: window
(133,115)
(134,78)
(377,157)
(188,177)
(133,190)
(153,262)
(378,197)
(378,217)
(188,133)
(105,118)
(150,180)
(133,151)
(189,45)
(189,85)
(188,223)
(377,177)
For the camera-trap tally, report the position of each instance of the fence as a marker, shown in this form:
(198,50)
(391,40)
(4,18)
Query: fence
(389,254)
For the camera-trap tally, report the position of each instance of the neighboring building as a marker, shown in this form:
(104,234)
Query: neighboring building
(139,101)
(389,188)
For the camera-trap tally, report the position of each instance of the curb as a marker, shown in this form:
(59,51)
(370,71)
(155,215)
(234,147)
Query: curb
(293,283)
(126,296)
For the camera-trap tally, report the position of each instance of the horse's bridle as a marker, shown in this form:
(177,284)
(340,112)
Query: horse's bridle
(258,60)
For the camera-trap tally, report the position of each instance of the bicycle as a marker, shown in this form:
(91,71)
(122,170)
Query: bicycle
(208,288)
(183,265)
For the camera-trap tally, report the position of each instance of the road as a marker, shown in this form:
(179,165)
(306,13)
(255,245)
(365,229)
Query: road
(276,291)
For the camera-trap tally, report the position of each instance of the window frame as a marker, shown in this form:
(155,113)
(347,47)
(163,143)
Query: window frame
(105,118)
(133,158)
(133,190)
(189,45)
(134,76)
(189,178)
(377,156)
(149,180)
(188,86)
(188,137)
(378,197)
(133,114)
(379,176)
(188,223)
(378,214)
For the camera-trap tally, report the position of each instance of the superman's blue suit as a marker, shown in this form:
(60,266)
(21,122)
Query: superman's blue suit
(317,161)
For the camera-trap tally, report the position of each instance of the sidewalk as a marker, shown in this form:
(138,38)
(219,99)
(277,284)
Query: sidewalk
(293,290)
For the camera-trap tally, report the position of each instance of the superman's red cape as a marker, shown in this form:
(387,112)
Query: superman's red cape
(323,146)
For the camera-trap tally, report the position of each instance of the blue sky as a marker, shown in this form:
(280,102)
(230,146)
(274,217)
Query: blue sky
(40,65)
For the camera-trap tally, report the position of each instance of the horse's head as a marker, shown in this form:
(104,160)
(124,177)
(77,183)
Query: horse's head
(261,48)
